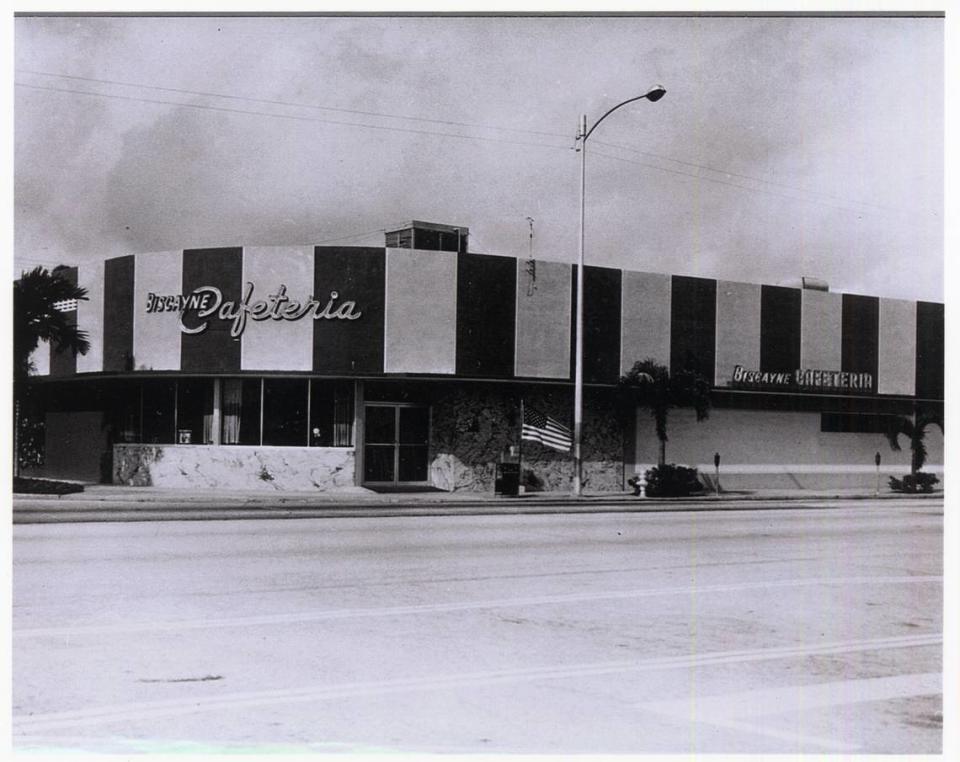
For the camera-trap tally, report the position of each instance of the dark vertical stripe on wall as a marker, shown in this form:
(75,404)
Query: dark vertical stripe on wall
(930,352)
(64,363)
(358,275)
(601,324)
(860,335)
(118,281)
(693,325)
(213,350)
(779,329)
(486,315)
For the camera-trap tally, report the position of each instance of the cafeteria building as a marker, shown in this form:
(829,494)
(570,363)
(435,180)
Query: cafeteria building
(404,367)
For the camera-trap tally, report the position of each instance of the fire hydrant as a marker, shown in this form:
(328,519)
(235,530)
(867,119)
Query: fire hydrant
(639,484)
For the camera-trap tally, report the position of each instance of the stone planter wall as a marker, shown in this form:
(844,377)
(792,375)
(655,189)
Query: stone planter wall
(473,424)
(241,468)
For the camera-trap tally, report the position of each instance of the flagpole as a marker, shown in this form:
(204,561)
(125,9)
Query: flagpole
(520,448)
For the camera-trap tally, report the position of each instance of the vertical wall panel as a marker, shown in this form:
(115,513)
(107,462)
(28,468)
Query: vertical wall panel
(486,302)
(898,347)
(213,350)
(780,329)
(90,316)
(64,362)
(645,319)
(930,352)
(693,316)
(859,340)
(118,308)
(278,344)
(738,328)
(543,319)
(156,335)
(602,292)
(821,318)
(357,274)
(421,312)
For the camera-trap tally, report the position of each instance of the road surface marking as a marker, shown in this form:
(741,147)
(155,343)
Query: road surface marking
(731,709)
(433,608)
(185,705)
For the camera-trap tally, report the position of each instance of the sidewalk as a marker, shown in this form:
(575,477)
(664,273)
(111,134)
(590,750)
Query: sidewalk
(120,503)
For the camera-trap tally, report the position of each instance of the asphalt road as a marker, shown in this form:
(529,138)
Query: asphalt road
(794,630)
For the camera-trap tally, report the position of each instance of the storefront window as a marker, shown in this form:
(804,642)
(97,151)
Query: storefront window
(240,406)
(331,413)
(296,412)
(195,411)
(125,407)
(159,404)
(285,412)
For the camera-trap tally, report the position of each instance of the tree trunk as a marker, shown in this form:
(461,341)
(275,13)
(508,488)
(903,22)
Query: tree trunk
(663,452)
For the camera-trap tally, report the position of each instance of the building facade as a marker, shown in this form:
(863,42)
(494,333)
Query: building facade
(319,367)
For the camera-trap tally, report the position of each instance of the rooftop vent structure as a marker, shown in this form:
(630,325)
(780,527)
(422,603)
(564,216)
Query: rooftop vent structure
(815,284)
(430,236)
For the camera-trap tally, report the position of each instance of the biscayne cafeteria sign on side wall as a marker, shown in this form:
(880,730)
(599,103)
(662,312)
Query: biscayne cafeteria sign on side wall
(209,303)
(804,379)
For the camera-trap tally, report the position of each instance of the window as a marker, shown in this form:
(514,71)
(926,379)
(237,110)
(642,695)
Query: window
(855,423)
(240,411)
(292,412)
(125,413)
(331,413)
(285,412)
(159,401)
(400,239)
(195,411)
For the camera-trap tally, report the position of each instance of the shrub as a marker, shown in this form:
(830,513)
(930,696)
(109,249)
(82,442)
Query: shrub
(671,480)
(918,482)
(31,442)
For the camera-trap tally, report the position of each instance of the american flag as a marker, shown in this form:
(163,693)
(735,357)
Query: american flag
(545,430)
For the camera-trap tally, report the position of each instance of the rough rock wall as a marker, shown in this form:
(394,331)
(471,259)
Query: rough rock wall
(269,468)
(473,425)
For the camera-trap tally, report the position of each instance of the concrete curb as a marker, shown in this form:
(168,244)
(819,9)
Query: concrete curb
(169,508)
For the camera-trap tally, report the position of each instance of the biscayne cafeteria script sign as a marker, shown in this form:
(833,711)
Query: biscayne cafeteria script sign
(209,304)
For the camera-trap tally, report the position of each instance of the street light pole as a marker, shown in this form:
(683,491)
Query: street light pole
(578,356)
(653,95)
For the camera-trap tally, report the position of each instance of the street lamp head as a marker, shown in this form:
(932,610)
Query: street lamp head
(656,93)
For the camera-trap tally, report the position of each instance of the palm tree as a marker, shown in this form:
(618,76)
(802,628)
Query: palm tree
(914,430)
(651,386)
(37,297)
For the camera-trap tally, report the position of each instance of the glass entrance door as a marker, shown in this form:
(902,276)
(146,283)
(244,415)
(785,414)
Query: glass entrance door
(396,446)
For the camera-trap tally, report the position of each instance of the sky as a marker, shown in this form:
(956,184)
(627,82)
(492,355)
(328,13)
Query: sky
(784,147)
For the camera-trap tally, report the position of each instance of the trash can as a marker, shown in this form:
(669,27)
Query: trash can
(507,482)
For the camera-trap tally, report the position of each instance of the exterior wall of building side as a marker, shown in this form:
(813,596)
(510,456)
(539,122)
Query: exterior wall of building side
(303,367)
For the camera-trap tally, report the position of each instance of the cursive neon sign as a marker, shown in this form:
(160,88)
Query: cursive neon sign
(208,303)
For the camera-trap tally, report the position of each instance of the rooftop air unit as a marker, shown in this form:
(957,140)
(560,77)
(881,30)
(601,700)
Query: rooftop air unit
(429,236)
(815,284)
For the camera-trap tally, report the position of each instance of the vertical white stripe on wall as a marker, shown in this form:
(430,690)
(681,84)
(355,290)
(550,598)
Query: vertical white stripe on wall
(898,347)
(738,329)
(821,329)
(543,316)
(90,316)
(41,359)
(278,344)
(421,311)
(645,318)
(156,335)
